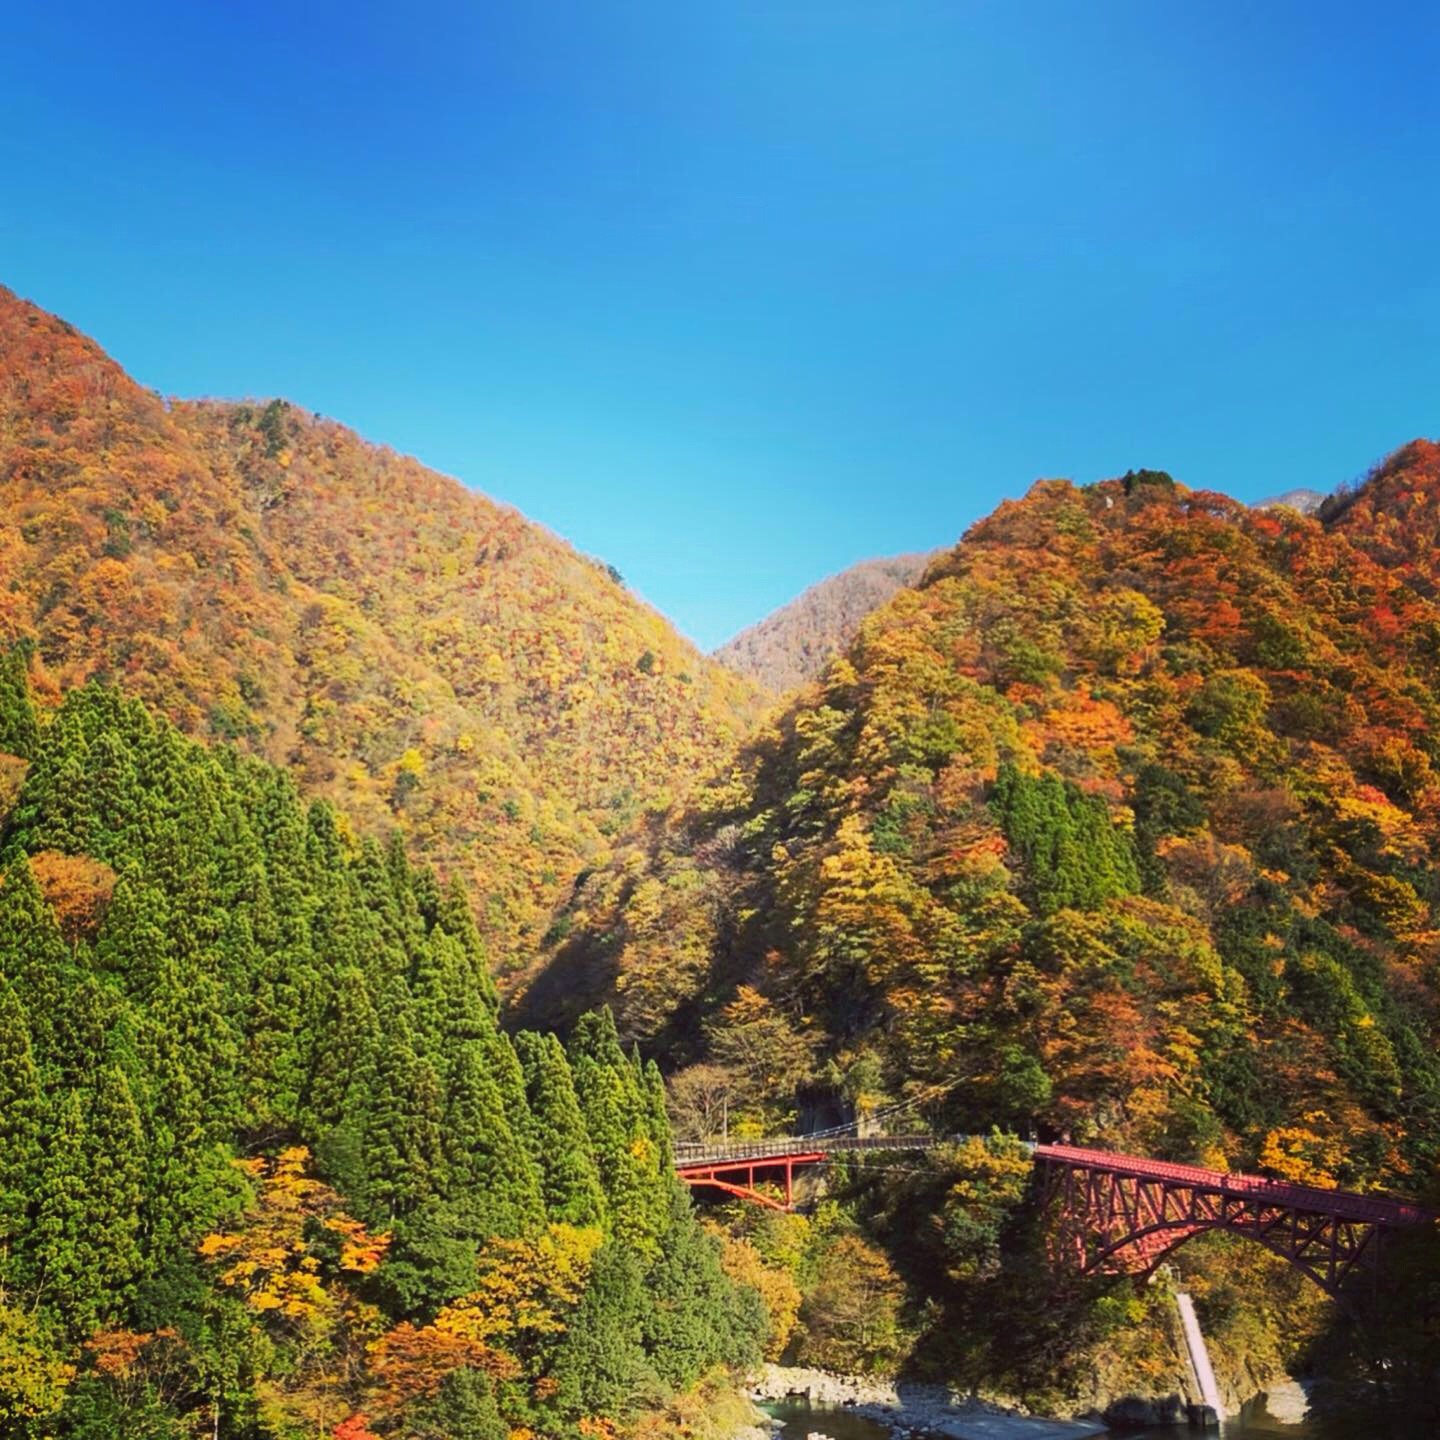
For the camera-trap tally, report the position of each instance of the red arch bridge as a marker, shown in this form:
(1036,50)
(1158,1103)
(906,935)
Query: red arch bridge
(1111,1214)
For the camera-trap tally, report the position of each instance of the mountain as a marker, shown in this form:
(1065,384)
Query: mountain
(1394,516)
(1307,502)
(420,654)
(1122,824)
(792,646)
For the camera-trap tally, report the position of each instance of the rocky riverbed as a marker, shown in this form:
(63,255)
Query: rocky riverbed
(907,1408)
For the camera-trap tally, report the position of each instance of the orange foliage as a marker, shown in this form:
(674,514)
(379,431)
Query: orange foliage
(117,1352)
(78,888)
(409,1363)
(598,1429)
(355,1427)
(1226,721)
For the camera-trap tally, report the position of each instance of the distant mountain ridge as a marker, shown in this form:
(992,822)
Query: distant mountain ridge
(421,654)
(1306,501)
(792,645)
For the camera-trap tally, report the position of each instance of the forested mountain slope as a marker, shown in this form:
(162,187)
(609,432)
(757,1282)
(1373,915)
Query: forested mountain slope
(793,645)
(268,1167)
(1122,824)
(1394,517)
(406,646)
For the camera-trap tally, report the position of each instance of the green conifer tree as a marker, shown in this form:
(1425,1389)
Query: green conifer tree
(619,1121)
(84,1246)
(112,801)
(449,1009)
(696,1319)
(601,1367)
(492,1183)
(454,916)
(19,727)
(20,1120)
(403,1150)
(342,1053)
(135,939)
(464,1409)
(81,1032)
(570,1182)
(33,954)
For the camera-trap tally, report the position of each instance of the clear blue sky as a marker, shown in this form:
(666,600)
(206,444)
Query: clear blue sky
(735,293)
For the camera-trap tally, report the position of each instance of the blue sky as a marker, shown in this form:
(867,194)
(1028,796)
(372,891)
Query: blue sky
(734,294)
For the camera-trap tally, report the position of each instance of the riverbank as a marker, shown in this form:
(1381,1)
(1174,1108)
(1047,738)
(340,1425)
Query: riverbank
(906,1407)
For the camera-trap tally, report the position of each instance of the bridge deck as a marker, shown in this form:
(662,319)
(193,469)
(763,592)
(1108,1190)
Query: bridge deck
(1345,1204)
(689,1156)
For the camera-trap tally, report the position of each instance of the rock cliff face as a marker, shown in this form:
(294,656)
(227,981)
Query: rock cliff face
(1307,502)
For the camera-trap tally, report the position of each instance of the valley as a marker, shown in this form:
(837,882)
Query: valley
(390,897)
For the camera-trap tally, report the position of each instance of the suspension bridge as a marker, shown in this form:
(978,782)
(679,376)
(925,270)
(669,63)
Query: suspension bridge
(1110,1213)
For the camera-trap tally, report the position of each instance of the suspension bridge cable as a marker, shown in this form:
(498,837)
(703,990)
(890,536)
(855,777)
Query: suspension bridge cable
(922,1097)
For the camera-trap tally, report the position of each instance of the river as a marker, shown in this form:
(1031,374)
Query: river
(800,1421)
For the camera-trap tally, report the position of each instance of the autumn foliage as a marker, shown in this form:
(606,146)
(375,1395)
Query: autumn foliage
(1122,824)
(268,1164)
(408,648)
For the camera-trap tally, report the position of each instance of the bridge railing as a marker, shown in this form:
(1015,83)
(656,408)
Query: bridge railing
(722,1152)
(1348,1204)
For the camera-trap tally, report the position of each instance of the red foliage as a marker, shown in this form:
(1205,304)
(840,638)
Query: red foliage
(356,1427)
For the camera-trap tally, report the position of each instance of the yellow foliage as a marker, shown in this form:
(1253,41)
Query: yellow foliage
(1301,1153)
(524,1287)
(269,1262)
(361,604)
(775,1285)
(33,1376)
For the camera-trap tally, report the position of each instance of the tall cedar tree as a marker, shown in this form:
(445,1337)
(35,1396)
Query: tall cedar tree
(255,981)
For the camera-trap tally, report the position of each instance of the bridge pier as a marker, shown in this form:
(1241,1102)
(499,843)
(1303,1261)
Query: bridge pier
(1211,1408)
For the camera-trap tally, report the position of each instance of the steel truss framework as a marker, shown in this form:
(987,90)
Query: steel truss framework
(1112,1214)
(739,1167)
(1113,1217)
(743,1177)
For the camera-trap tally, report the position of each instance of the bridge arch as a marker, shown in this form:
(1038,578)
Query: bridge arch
(1151,1255)
(1121,1214)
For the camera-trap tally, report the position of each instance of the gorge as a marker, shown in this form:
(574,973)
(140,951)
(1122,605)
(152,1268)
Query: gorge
(406,938)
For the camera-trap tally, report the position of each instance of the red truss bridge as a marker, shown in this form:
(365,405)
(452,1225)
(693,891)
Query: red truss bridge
(1111,1214)
(1121,1214)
